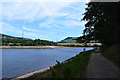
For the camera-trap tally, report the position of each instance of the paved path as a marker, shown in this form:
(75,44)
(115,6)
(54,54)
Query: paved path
(100,67)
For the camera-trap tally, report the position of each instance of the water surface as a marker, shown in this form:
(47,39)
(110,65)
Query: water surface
(17,62)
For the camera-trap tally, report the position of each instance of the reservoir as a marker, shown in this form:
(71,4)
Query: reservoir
(17,62)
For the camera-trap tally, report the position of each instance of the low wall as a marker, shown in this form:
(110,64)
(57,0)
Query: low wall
(30,74)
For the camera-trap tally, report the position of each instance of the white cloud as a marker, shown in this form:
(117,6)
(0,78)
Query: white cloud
(35,30)
(47,23)
(72,23)
(30,29)
(0,11)
(32,11)
(9,28)
(44,0)
(42,19)
(35,35)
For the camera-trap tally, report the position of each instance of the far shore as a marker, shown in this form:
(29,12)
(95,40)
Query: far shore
(35,47)
(32,47)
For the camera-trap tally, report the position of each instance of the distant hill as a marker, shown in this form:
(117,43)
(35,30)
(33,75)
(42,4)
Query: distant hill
(8,36)
(69,40)
(19,41)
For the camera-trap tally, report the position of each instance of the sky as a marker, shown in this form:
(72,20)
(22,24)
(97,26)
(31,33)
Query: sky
(51,20)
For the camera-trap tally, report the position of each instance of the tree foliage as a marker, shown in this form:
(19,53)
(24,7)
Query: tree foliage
(26,42)
(102,22)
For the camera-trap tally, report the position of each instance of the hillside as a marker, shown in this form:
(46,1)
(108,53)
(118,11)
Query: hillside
(12,37)
(69,40)
(19,41)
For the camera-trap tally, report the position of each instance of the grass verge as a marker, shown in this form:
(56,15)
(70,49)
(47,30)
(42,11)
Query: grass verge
(72,68)
(112,53)
(79,44)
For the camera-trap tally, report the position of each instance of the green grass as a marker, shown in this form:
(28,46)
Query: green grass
(112,53)
(79,44)
(72,68)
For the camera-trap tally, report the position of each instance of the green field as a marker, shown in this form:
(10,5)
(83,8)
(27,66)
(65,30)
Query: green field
(79,44)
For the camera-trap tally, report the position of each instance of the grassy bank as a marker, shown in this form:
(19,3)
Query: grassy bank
(72,68)
(79,44)
(112,53)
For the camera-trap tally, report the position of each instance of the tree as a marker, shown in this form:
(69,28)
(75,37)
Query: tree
(103,22)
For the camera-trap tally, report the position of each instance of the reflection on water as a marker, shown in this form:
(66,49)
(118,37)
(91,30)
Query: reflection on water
(17,62)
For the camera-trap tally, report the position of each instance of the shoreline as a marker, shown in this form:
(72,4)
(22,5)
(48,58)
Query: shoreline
(43,70)
(40,71)
(38,47)
(30,47)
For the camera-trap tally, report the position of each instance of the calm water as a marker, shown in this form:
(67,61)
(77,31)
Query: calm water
(16,62)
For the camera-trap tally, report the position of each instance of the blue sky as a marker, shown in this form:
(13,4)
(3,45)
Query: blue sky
(52,21)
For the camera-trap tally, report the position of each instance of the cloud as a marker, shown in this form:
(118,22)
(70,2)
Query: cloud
(72,23)
(42,19)
(47,22)
(35,35)
(30,29)
(7,28)
(44,0)
(35,30)
(15,31)
(32,11)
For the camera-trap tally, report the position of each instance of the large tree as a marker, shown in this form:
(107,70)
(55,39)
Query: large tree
(103,22)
